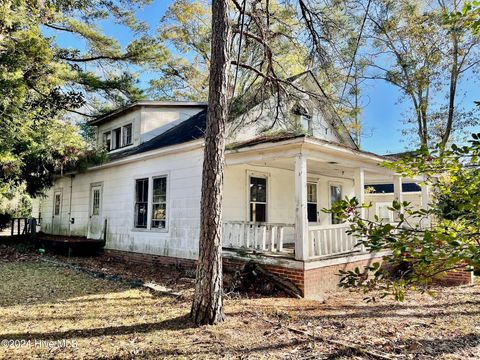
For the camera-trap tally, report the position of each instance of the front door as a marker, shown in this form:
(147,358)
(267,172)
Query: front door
(95,223)
(57,212)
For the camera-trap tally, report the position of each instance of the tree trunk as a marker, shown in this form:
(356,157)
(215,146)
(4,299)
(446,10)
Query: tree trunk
(453,89)
(207,306)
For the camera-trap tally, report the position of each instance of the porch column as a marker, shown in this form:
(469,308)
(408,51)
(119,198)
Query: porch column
(425,196)
(301,223)
(425,204)
(397,191)
(359,178)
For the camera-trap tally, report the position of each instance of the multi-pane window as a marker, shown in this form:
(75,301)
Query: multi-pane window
(159,203)
(335,195)
(117,138)
(57,204)
(312,202)
(127,135)
(141,203)
(96,201)
(258,199)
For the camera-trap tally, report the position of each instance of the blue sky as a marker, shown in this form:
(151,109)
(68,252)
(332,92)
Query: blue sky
(382,115)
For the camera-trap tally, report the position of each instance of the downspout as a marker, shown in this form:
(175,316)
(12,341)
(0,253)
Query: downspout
(70,219)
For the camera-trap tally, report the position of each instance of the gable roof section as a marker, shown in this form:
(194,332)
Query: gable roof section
(191,129)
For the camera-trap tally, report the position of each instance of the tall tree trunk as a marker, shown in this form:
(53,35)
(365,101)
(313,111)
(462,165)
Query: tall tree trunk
(453,89)
(207,306)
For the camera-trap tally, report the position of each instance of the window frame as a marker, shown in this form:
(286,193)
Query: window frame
(124,143)
(150,177)
(136,202)
(98,185)
(265,176)
(59,194)
(151,203)
(313,202)
(113,141)
(330,185)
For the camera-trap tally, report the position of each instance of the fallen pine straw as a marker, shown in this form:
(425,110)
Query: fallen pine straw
(357,348)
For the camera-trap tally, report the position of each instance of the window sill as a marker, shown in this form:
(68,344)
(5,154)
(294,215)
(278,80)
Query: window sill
(149,230)
(120,148)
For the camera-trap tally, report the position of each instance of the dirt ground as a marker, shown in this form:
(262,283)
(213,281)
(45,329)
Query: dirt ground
(48,311)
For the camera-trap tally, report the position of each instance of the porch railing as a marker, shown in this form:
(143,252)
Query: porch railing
(326,240)
(267,237)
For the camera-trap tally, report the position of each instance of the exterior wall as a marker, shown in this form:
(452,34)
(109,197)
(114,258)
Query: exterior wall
(180,239)
(415,198)
(155,121)
(280,193)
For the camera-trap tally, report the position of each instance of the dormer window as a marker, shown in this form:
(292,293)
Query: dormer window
(118,138)
(127,135)
(303,117)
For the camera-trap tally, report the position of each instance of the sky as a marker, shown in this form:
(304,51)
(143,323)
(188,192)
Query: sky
(382,116)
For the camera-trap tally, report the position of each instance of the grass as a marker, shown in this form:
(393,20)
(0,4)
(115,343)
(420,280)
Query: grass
(100,319)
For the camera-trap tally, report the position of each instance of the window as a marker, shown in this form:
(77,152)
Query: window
(95,201)
(141,203)
(383,213)
(335,195)
(312,202)
(258,199)
(107,140)
(159,203)
(117,138)
(127,135)
(306,121)
(58,202)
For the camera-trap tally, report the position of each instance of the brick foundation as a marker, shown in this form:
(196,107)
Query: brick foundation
(456,277)
(313,282)
(139,258)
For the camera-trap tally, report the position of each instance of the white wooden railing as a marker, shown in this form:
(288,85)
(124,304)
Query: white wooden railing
(326,240)
(267,237)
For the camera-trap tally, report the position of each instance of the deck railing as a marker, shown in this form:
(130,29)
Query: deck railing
(267,237)
(327,240)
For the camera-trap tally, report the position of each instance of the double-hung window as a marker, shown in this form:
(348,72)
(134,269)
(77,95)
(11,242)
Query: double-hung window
(335,196)
(159,203)
(258,199)
(141,203)
(312,202)
(151,203)
(127,135)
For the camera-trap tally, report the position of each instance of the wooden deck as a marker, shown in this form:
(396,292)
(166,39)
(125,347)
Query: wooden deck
(70,244)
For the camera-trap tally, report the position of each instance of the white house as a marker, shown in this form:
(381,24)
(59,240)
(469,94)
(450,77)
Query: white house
(145,199)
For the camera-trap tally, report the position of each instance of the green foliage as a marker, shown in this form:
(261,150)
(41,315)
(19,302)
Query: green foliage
(42,83)
(426,242)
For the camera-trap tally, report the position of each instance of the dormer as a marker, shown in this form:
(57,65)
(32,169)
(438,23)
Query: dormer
(139,122)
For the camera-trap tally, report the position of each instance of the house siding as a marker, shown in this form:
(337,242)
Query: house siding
(180,239)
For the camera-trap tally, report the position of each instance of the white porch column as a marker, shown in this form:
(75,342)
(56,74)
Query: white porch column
(397,191)
(359,178)
(425,204)
(301,221)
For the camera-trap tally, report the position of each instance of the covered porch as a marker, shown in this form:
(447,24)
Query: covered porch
(275,192)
